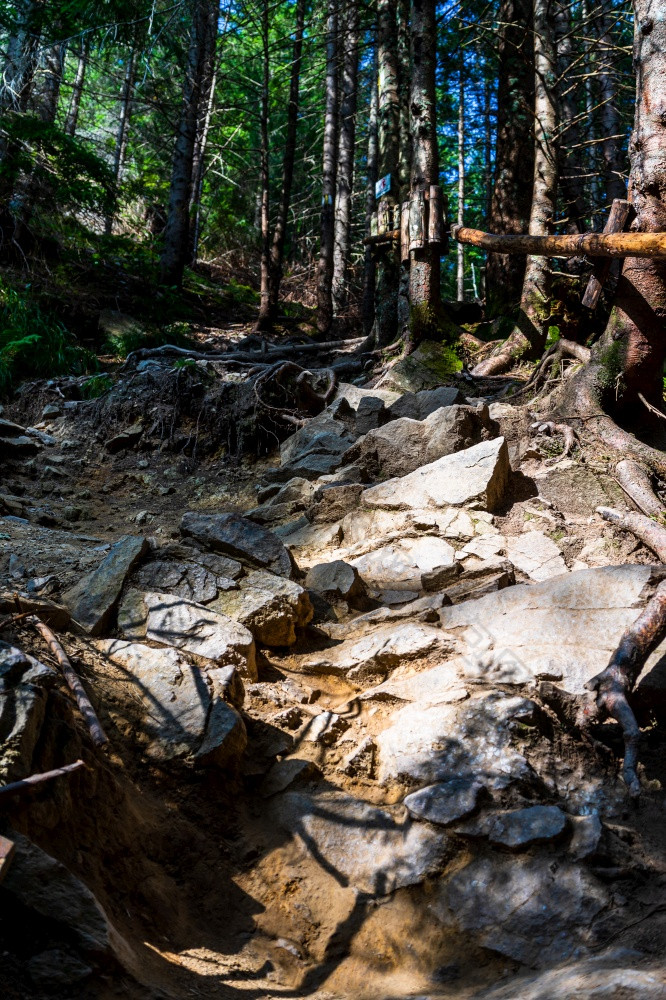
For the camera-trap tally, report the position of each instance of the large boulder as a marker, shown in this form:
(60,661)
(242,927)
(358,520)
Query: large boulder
(236,536)
(270,606)
(476,475)
(402,565)
(419,405)
(398,448)
(563,629)
(173,621)
(93,600)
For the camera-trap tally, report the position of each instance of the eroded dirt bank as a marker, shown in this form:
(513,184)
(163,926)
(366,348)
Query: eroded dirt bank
(343,758)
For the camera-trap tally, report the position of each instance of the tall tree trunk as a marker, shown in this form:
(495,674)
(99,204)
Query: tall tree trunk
(280,231)
(199,167)
(47,94)
(629,358)
(529,334)
(405,153)
(614,164)
(460,250)
(424,277)
(591,124)
(487,150)
(122,133)
(201,51)
(388,130)
(77,87)
(325,266)
(346,151)
(264,305)
(569,140)
(370,269)
(21,58)
(514,150)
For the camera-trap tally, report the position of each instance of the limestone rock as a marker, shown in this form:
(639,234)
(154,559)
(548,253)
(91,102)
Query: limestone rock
(194,628)
(478,474)
(419,405)
(403,565)
(471,740)
(93,600)
(520,828)
(226,738)
(521,908)
(536,555)
(235,536)
(564,629)
(172,689)
(338,581)
(386,855)
(445,802)
(270,606)
(437,685)
(377,652)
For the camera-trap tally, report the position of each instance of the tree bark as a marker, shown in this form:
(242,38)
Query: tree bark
(122,134)
(280,231)
(424,277)
(206,103)
(264,306)
(614,163)
(514,152)
(325,266)
(369,269)
(346,151)
(388,83)
(569,138)
(46,96)
(529,334)
(20,60)
(460,249)
(201,50)
(77,87)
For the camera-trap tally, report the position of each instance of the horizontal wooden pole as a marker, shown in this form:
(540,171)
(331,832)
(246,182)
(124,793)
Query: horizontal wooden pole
(590,244)
(387,237)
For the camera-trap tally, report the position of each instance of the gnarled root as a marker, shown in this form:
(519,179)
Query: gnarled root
(554,355)
(550,427)
(613,684)
(309,401)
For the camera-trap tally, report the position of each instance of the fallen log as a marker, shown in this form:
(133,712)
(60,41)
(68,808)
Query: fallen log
(648,531)
(650,245)
(25,784)
(635,481)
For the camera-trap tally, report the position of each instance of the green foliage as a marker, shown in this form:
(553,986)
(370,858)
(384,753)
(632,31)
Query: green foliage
(33,342)
(96,386)
(133,337)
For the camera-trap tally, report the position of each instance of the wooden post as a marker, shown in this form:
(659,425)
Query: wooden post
(404,232)
(384,216)
(617,219)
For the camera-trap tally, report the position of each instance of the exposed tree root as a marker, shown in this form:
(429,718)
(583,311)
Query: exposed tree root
(650,532)
(635,482)
(554,355)
(613,684)
(268,354)
(567,432)
(309,401)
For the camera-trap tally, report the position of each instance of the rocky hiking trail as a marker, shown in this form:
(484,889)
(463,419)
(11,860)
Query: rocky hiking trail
(341,668)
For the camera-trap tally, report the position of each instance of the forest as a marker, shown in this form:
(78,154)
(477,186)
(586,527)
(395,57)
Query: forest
(332,499)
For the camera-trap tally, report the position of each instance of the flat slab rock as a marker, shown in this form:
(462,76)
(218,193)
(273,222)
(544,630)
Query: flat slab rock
(236,536)
(402,565)
(436,686)
(477,474)
(470,740)
(173,621)
(536,555)
(522,909)
(378,652)
(93,600)
(563,629)
(363,846)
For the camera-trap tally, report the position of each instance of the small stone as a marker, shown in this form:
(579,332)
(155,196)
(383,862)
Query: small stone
(445,802)
(338,581)
(284,773)
(50,411)
(521,828)
(326,728)
(126,439)
(586,836)
(226,738)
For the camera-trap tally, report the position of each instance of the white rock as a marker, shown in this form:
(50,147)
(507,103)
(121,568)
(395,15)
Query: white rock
(480,474)
(401,565)
(536,555)
(379,651)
